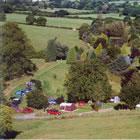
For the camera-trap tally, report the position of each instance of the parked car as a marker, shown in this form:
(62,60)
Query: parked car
(27,110)
(53,112)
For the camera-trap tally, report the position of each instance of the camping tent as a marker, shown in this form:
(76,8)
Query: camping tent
(67,106)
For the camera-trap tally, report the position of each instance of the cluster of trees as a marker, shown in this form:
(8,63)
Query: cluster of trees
(40,21)
(55,51)
(87,80)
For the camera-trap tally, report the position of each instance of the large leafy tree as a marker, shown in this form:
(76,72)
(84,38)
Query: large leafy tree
(87,80)
(130,92)
(16,52)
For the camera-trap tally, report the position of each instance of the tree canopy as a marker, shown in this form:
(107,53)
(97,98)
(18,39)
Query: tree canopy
(16,52)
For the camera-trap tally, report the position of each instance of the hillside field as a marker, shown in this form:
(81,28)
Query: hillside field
(51,21)
(53,75)
(109,125)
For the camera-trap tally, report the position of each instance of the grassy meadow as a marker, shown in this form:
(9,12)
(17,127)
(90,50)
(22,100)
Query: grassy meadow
(51,21)
(109,125)
(39,36)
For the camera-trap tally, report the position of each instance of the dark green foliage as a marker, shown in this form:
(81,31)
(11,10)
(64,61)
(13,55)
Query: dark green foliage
(2,17)
(61,13)
(83,29)
(55,51)
(87,80)
(137,24)
(113,52)
(6,8)
(30,19)
(15,52)
(72,56)
(37,100)
(37,84)
(127,20)
(130,93)
(41,21)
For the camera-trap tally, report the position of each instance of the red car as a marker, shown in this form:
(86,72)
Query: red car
(53,112)
(27,110)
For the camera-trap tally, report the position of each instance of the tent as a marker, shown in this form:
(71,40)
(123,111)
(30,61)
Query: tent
(67,106)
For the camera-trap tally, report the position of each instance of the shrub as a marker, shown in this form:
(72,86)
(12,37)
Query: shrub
(41,21)
(72,56)
(121,107)
(36,99)
(30,19)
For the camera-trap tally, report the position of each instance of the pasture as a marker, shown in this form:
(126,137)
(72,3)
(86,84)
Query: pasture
(51,21)
(109,125)
(39,36)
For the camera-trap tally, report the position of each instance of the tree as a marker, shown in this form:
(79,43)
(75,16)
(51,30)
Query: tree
(30,19)
(72,56)
(55,50)
(37,99)
(87,80)
(5,120)
(16,52)
(41,21)
(130,92)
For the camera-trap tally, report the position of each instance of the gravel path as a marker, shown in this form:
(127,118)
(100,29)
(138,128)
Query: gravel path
(32,116)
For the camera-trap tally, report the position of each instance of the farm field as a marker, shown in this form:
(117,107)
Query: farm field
(110,15)
(39,36)
(51,21)
(107,125)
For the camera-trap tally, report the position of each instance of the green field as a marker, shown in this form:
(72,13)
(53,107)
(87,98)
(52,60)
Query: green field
(111,15)
(47,72)
(51,21)
(40,36)
(109,125)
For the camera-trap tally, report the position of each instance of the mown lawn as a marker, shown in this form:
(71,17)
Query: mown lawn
(109,125)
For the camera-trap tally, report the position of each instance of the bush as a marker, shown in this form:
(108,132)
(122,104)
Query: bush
(121,107)
(41,21)
(30,19)
(36,99)
(61,13)
(72,56)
